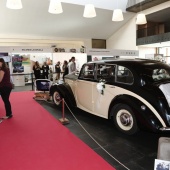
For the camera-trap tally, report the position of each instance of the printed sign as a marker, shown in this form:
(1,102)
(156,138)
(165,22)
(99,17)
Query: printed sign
(161,165)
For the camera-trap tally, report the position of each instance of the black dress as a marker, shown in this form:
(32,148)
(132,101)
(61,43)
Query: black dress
(36,70)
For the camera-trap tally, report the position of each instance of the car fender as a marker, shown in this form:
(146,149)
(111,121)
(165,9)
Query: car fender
(146,119)
(65,92)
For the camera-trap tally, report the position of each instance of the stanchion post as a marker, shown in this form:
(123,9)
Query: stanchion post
(63,120)
(32,80)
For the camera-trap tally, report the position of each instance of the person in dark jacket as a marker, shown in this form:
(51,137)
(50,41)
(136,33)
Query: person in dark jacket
(58,70)
(45,69)
(65,68)
(5,87)
(36,69)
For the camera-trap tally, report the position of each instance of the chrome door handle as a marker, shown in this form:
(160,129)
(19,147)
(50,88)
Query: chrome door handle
(112,86)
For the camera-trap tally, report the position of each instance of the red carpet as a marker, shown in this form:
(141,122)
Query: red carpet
(34,140)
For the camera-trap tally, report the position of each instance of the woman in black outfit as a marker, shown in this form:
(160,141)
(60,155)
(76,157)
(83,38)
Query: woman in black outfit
(65,68)
(37,69)
(5,87)
(45,69)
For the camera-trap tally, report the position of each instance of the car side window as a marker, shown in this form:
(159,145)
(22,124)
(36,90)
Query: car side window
(87,71)
(124,75)
(106,72)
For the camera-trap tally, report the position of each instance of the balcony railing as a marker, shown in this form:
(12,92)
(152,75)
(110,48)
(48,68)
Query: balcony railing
(139,5)
(155,30)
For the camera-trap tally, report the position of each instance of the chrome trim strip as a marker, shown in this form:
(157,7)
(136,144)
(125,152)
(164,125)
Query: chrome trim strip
(165,129)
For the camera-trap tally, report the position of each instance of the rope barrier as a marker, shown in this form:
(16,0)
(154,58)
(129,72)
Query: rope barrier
(95,140)
(63,120)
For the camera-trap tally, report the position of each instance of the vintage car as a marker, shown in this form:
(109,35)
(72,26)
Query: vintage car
(134,93)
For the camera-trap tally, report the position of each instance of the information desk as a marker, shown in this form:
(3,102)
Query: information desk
(18,79)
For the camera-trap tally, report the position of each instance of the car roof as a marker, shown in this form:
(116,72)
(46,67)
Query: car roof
(139,65)
(137,62)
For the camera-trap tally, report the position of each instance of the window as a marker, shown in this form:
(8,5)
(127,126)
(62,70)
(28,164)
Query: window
(106,72)
(124,75)
(87,71)
(160,74)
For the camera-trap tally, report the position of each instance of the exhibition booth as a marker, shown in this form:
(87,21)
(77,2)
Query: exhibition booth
(21,59)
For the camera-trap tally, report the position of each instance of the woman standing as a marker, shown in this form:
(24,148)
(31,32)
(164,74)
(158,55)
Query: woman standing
(45,69)
(37,69)
(65,68)
(57,70)
(5,87)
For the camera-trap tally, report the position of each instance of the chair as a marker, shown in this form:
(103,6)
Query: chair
(42,87)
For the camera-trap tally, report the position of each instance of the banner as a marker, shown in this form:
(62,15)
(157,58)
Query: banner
(112,52)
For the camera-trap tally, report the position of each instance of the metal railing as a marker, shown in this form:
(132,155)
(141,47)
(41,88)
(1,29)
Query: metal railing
(154,30)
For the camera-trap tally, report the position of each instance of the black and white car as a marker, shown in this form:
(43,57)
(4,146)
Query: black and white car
(135,94)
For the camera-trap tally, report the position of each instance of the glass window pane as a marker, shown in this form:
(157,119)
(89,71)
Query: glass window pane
(124,75)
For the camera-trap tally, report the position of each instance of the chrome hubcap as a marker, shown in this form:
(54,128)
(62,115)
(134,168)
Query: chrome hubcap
(57,98)
(125,119)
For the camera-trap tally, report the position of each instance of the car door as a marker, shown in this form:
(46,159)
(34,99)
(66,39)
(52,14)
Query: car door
(101,101)
(83,90)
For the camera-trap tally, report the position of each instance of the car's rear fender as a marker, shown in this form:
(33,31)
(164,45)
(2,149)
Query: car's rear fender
(146,119)
(65,92)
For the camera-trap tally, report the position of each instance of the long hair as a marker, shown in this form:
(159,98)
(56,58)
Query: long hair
(4,65)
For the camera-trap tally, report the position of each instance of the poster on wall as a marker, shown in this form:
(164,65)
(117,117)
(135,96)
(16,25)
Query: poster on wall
(20,62)
(17,63)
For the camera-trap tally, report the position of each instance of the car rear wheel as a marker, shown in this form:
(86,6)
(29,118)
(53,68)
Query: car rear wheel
(124,119)
(57,98)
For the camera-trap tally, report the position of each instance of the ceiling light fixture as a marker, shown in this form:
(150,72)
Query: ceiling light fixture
(14,4)
(117,15)
(89,11)
(55,7)
(141,19)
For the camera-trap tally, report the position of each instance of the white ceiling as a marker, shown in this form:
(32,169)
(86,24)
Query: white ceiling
(34,20)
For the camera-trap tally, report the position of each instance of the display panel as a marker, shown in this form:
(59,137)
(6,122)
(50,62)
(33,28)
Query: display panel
(42,85)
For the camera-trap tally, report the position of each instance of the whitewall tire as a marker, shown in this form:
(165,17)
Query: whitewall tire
(124,119)
(57,98)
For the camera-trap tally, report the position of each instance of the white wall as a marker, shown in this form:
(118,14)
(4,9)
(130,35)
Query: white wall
(124,38)
(143,51)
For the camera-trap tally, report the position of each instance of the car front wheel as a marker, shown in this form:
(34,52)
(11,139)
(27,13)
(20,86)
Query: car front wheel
(57,98)
(124,119)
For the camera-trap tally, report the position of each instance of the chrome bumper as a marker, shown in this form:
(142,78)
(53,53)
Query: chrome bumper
(165,129)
